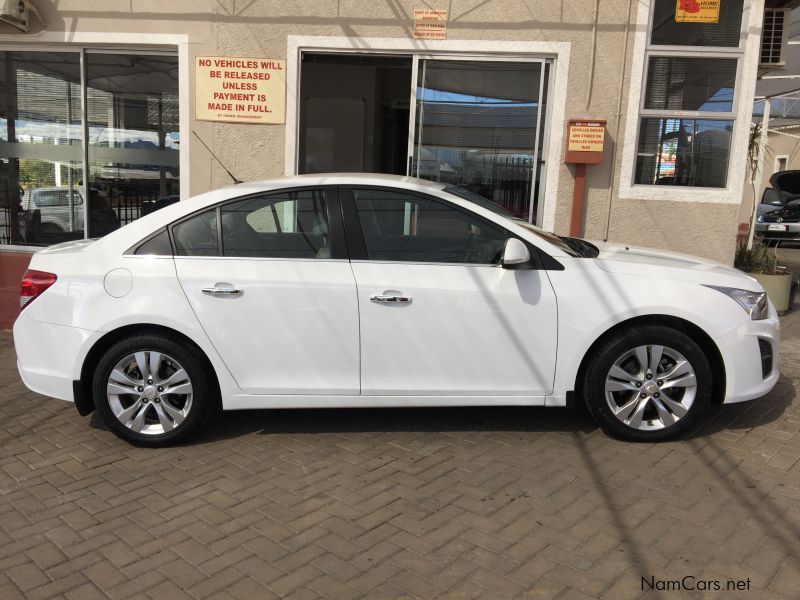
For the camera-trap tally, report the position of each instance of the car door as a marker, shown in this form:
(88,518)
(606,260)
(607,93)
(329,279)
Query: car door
(438,314)
(273,289)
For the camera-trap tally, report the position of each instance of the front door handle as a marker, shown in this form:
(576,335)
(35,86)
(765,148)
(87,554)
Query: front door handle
(222,290)
(390,297)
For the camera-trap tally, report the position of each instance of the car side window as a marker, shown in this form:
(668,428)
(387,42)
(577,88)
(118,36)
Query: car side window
(277,225)
(197,236)
(405,227)
(158,245)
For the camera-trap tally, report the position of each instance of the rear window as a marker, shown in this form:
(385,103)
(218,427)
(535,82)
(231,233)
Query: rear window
(56,198)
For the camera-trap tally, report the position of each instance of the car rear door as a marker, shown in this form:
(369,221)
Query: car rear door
(439,316)
(273,289)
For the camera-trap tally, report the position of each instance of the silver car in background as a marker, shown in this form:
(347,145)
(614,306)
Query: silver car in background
(60,208)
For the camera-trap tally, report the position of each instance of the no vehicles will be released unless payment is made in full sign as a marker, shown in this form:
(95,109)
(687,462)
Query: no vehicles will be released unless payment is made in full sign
(240,90)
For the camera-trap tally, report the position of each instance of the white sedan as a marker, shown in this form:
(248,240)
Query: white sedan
(369,290)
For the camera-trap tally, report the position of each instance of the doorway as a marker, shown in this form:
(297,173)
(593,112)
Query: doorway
(354,113)
(475,122)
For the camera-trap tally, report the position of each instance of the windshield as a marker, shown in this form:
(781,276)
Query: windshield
(561,243)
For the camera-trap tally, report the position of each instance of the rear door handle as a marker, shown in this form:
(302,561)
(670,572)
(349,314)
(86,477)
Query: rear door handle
(222,290)
(391,297)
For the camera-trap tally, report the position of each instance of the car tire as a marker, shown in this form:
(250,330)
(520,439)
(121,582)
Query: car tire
(154,391)
(636,404)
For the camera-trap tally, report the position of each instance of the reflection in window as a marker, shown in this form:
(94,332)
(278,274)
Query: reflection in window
(683,152)
(404,227)
(697,84)
(197,236)
(476,127)
(41,173)
(132,110)
(689,151)
(284,225)
(132,117)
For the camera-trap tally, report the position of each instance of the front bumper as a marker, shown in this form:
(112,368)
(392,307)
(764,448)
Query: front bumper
(791,233)
(49,357)
(742,355)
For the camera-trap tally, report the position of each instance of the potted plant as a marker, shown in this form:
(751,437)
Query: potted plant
(762,265)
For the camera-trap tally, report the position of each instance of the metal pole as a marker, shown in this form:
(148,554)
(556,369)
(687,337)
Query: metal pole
(85,146)
(535,171)
(71,192)
(578,195)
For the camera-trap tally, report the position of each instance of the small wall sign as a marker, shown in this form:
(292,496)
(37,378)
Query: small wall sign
(240,90)
(585,141)
(586,136)
(430,24)
(697,11)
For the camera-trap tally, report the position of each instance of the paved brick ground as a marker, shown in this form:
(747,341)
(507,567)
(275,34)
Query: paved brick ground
(386,504)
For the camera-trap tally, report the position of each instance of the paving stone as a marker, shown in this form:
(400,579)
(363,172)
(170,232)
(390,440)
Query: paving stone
(416,503)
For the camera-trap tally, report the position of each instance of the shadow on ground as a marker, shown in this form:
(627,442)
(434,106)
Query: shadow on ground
(232,424)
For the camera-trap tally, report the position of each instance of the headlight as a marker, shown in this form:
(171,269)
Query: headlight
(760,219)
(753,303)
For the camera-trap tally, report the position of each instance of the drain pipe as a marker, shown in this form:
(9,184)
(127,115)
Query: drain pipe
(612,178)
(590,81)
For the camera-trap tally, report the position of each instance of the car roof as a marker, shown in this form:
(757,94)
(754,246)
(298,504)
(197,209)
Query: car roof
(342,179)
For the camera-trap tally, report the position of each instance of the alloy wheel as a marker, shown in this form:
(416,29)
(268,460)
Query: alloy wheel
(149,392)
(650,387)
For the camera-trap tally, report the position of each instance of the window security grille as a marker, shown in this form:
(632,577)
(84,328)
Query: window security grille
(774,37)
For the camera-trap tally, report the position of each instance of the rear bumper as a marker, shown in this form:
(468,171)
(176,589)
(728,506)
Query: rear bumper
(49,356)
(743,356)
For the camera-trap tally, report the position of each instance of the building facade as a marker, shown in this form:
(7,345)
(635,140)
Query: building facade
(99,108)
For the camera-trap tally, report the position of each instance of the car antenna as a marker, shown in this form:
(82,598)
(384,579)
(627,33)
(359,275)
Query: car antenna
(235,181)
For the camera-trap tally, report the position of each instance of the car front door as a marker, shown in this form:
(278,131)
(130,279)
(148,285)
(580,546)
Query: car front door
(439,316)
(269,280)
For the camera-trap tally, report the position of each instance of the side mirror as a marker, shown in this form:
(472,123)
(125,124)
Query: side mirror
(516,255)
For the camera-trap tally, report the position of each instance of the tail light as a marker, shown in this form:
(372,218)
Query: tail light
(33,284)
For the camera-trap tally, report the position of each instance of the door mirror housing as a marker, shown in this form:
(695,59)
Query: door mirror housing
(516,255)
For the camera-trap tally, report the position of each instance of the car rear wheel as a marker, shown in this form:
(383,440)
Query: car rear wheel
(648,383)
(153,391)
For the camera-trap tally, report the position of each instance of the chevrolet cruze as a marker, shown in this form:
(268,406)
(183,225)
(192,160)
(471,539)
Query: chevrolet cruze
(349,290)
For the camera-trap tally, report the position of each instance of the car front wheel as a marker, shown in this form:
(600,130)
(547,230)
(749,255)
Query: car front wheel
(152,391)
(648,383)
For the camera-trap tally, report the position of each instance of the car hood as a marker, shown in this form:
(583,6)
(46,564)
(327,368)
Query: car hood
(637,260)
(787,182)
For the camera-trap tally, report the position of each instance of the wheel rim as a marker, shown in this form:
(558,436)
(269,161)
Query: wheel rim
(149,392)
(650,387)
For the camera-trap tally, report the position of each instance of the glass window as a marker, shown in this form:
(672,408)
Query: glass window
(197,236)
(683,152)
(132,113)
(696,84)
(41,158)
(283,225)
(480,126)
(667,31)
(158,245)
(404,227)
(132,119)
(693,151)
